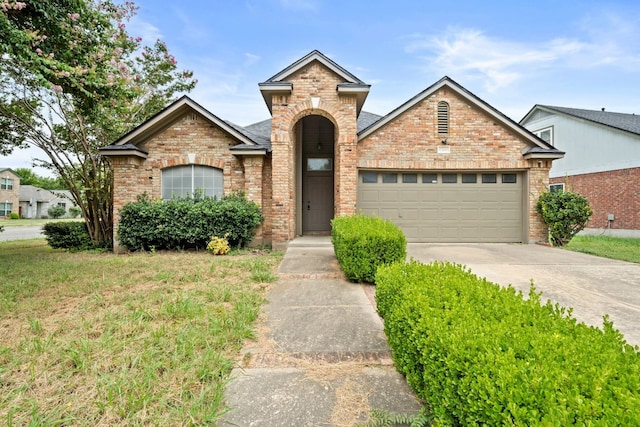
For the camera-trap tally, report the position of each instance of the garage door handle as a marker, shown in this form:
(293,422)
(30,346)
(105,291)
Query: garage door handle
(308,206)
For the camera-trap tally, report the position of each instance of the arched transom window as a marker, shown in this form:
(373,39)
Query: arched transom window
(185,181)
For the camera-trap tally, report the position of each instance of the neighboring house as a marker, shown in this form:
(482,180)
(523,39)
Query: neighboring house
(445,166)
(35,202)
(602,162)
(9,192)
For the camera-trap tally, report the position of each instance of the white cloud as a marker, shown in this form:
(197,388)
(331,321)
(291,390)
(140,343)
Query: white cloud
(498,63)
(139,28)
(300,4)
(604,40)
(251,59)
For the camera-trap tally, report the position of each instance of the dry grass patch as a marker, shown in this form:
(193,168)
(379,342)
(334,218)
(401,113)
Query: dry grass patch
(142,339)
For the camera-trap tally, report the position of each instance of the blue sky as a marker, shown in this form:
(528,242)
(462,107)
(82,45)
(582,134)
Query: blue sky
(512,54)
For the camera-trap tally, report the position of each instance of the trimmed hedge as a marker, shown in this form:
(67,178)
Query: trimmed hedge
(68,235)
(187,223)
(362,243)
(480,354)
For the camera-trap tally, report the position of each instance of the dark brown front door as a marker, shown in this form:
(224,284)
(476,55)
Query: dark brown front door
(317,194)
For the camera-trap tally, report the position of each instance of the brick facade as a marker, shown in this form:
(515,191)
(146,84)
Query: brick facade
(476,141)
(11,196)
(192,134)
(479,139)
(612,192)
(287,110)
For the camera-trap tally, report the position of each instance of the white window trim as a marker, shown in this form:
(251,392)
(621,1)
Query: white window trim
(560,184)
(539,132)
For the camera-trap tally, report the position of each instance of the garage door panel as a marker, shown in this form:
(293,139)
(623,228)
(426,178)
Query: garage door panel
(389,195)
(438,212)
(411,214)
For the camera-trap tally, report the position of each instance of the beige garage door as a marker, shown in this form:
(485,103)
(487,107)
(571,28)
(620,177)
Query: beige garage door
(446,207)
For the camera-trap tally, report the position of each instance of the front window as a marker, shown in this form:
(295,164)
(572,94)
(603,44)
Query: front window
(5,209)
(187,181)
(6,184)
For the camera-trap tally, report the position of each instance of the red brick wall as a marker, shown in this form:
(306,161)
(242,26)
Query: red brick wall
(612,192)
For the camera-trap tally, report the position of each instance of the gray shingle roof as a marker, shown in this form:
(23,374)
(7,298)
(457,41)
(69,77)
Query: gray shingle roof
(622,121)
(261,132)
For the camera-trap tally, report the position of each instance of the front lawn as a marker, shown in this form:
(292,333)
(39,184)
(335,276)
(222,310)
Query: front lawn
(623,249)
(141,339)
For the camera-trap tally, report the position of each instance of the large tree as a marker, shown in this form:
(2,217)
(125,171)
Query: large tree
(72,81)
(29,177)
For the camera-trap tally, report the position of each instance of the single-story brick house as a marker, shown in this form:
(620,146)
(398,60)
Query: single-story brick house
(602,162)
(445,165)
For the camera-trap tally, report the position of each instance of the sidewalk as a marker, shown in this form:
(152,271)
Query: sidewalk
(320,357)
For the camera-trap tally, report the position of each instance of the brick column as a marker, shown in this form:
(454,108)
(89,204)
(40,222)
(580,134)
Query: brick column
(253,177)
(538,182)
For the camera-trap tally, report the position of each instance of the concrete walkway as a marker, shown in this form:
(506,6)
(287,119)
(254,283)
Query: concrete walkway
(320,357)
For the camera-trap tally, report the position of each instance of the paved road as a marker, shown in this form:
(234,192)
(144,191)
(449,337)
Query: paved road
(593,286)
(21,233)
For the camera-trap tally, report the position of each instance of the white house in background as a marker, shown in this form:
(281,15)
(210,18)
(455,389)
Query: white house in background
(602,161)
(35,202)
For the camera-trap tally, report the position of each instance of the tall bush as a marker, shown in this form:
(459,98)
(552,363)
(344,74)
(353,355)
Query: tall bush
(188,223)
(565,213)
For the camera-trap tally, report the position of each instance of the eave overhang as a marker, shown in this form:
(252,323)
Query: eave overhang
(126,150)
(361,91)
(269,89)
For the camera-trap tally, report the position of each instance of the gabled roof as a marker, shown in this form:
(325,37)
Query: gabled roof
(278,84)
(30,193)
(127,145)
(540,149)
(622,121)
(315,55)
(9,170)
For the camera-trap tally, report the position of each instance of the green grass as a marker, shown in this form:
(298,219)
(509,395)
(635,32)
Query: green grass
(623,249)
(140,339)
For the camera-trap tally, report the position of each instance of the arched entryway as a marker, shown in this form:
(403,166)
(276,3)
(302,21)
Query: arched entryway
(316,165)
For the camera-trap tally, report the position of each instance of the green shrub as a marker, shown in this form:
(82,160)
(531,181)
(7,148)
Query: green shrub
(565,213)
(74,211)
(362,243)
(67,235)
(14,215)
(56,211)
(187,223)
(480,354)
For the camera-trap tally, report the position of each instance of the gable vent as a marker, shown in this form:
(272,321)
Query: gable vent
(443,118)
(191,116)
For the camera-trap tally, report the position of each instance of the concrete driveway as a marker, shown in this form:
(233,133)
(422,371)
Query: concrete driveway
(593,286)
